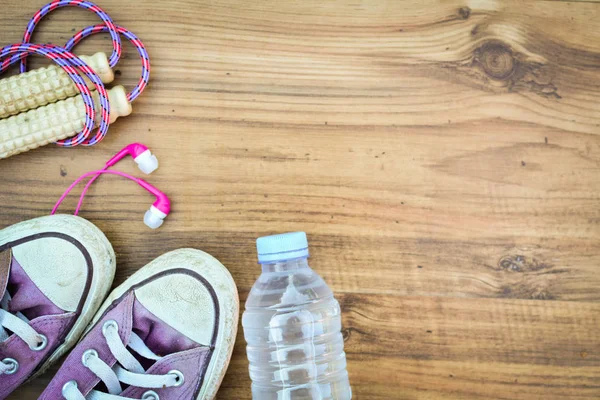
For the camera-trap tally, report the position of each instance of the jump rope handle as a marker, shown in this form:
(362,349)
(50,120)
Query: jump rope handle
(147,163)
(56,121)
(41,86)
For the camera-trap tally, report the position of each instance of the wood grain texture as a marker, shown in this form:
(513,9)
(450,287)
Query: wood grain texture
(443,157)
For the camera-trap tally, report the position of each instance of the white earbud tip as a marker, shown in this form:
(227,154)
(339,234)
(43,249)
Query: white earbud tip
(152,219)
(147,162)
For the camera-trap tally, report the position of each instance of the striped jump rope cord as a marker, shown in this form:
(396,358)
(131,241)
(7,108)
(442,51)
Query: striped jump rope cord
(71,64)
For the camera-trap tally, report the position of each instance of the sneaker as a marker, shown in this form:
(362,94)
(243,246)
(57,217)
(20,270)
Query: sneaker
(166,333)
(54,273)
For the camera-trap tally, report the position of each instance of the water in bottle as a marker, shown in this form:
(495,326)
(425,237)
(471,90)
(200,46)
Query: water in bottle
(292,325)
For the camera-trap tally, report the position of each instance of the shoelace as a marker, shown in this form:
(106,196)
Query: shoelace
(17,324)
(128,370)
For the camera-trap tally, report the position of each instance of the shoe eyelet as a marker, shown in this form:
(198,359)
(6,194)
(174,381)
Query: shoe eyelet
(179,378)
(150,395)
(67,386)
(41,344)
(108,324)
(13,363)
(86,356)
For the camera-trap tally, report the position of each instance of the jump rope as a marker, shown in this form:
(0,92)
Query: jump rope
(73,65)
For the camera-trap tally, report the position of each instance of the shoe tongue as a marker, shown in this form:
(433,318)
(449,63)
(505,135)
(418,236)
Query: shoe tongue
(5,260)
(160,337)
(26,297)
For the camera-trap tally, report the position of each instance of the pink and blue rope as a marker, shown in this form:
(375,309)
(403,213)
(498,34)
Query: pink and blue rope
(51,53)
(135,41)
(87,5)
(70,63)
(102,95)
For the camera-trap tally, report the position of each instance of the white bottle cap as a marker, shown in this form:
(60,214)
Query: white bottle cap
(283,247)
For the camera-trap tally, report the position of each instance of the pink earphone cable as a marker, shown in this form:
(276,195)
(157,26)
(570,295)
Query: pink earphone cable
(95,175)
(85,190)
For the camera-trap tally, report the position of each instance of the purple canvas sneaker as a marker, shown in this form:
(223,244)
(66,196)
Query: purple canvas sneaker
(166,333)
(54,273)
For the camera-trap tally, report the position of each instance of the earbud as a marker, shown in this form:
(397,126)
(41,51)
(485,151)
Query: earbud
(159,210)
(146,161)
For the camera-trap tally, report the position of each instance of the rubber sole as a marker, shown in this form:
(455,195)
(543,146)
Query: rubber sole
(103,264)
(220,279)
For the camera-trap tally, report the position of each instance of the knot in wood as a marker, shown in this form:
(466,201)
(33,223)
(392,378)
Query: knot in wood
(464,12)
(497,60)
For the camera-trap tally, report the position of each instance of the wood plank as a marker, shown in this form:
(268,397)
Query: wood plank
(442,155)
(405,347)
(530,233)
(440,348)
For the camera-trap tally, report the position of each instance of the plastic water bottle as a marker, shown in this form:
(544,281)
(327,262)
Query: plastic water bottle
(292,325)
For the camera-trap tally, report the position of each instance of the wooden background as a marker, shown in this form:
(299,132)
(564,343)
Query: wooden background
(443,156)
